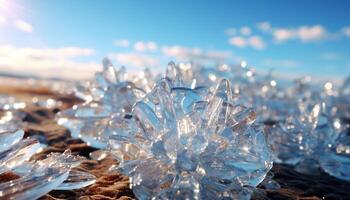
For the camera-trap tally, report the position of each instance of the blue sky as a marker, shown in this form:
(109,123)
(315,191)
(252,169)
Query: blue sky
(292,37)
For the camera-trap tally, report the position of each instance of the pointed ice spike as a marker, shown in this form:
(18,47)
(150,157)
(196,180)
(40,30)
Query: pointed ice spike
(147,81)
(246,116)
(319,116)
(173,72)
(224,91)
(162,90)
(77,179)
(33,185)
(219,107)
(41,176)
(164,85)
(18,153)
(109,72)
(100,85)
(9,137)
(148,120)
(345,88)
(121,74)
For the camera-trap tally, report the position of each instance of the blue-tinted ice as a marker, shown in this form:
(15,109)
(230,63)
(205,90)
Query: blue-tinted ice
(182,142)
(111,95)
(36,177)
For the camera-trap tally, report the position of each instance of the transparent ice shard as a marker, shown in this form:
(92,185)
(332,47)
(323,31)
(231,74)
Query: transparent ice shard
(289,141)
(33,185)
(36,177)
(9,136)
(18,153)
(336,159)
(39,177)
(77,179)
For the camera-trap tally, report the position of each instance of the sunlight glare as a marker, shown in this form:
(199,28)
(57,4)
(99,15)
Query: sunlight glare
(9,8)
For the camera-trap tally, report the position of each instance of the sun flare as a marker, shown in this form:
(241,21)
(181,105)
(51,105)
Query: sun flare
(9,8)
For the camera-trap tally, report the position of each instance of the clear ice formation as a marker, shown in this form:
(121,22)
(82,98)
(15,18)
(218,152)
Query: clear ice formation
(36,177)
(186,136)
(108,98)
(308,123)
(317,134)
(183,143)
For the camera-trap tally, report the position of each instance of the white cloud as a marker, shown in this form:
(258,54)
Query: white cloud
(281,35)
(200,56)
(2,20)
(284,63)
(46,62)
(245,30)
(255,42)
(264,26)
(134,60)
(23,26)
(45,53)
(145,46)
(311,33)
(152,46)
(230,31)
(346,31)
(238,41)
(218,55)
(122,43)
(140,46)
(303,33)
(181,52)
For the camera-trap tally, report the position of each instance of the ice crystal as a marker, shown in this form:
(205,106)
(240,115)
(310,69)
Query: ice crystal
(308,122)
(36,177)
(182,142)
(195,135)
(109,97)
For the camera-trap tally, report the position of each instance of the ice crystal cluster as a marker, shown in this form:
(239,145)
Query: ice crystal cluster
(35,177)
(195,135)
(190,143)
(308,123)
(107,98)
(317,135)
